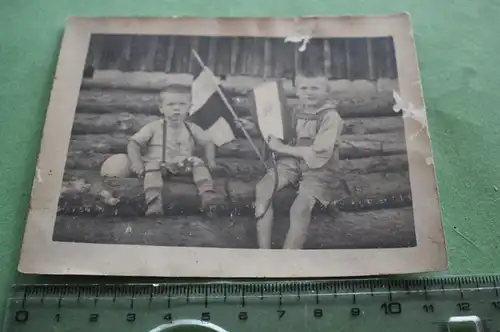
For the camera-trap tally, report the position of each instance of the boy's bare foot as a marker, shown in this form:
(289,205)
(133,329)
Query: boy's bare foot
(155,209)
(333,209)
(108,198)
(209,198)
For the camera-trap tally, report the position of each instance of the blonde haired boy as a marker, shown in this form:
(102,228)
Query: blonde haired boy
(310,163)
(169,144)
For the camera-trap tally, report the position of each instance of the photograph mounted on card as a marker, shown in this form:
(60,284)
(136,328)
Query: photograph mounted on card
(235,147)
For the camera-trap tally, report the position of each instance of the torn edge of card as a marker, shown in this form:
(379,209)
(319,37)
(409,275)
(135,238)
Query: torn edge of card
(418,114)
(304,30)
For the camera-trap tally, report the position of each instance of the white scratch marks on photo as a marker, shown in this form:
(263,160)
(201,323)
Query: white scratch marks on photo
(299,39)
(128,230)
(303,33)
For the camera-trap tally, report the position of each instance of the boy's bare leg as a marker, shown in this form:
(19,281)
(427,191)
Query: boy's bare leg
(153,192)
(264,229)
(300,217)
(263,197)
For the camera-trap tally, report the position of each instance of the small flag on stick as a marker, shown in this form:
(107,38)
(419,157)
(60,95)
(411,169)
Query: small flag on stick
(212,111)
(208,110)
(271,112)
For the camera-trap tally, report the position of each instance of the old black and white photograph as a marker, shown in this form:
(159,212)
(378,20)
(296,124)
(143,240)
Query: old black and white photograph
(237,141)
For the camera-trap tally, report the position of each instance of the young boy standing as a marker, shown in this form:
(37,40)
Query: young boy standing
(309,162)
(169,143)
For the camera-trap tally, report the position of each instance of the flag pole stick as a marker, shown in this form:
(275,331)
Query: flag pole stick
(228,105)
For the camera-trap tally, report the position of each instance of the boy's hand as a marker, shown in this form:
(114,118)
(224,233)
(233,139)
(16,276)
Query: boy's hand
(244,123)
(138,168)
(274,143)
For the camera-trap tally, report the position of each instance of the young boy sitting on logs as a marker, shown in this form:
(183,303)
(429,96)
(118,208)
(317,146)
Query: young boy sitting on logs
(169,145)
(310,161)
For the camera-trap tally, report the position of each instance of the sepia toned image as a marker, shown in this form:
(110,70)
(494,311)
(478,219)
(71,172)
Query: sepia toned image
(354,184)
(235,142)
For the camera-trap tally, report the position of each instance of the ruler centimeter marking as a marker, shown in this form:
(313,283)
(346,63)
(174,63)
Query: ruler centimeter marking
(316,290)
(187,289)
(243,297)
(169,298)
(393,299)
(461,291)
(209,291)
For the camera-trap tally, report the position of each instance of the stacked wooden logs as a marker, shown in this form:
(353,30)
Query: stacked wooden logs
(373,190)
(112,106)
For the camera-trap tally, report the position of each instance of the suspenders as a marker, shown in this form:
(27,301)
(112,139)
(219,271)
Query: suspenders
(163,161)
(190,131)
(304,116)
(163,143)
(164,140)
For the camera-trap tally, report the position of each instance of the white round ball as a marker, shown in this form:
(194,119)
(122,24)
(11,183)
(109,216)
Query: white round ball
(116,166)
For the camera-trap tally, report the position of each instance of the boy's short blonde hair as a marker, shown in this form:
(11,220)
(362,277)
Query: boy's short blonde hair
(320,78)
(176,88)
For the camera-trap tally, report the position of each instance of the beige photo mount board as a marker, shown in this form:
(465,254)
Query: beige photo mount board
(46,251)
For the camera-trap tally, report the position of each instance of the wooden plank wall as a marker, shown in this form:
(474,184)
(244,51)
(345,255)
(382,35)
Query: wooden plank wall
(336,58)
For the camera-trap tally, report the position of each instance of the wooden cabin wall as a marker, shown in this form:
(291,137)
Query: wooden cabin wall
(336,58)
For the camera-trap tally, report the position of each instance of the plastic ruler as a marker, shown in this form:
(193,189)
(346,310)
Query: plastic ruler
(433,304)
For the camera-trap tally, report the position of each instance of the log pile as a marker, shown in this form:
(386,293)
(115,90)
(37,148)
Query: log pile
(112,107)
(232,167)
(130,123)
(351,146)
(373,190)
(96,98)
(82,194)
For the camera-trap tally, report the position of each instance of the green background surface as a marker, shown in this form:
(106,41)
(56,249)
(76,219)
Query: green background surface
(458,45)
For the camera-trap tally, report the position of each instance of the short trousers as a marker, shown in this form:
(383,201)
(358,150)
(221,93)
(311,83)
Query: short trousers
(154,179)
(323,184)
